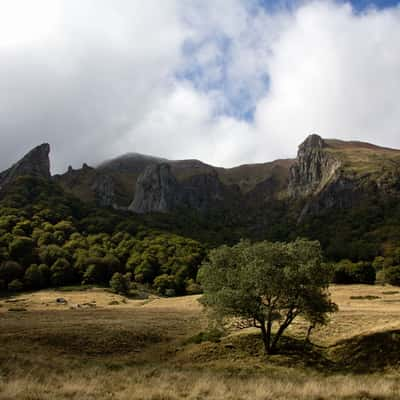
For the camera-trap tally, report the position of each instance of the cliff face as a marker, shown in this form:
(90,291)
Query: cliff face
(314,168)
(333,174)
(35,163)
(326,174)
(158,190)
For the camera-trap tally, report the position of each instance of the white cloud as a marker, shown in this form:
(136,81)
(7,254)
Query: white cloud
(335,73)
(175,78)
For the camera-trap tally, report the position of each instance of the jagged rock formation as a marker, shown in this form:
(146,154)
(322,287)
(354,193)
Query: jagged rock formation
(157,190)
(103,187)
(333,174)
(314,168)
(35,163)
(326,174)
(89,184)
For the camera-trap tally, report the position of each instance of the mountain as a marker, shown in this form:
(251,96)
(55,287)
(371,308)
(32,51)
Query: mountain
(345,194)
(133,181)
(35,163)
(337,174)
(326,174)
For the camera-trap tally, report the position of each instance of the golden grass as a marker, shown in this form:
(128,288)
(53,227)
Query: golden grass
(365,159)
(141,384)
(139,349)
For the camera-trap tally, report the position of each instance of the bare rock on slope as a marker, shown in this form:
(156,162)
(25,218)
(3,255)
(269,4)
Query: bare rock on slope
(35,163)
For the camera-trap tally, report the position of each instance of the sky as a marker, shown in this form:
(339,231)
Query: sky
(224,81)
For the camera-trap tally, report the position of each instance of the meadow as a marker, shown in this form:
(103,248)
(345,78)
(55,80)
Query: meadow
(99,345)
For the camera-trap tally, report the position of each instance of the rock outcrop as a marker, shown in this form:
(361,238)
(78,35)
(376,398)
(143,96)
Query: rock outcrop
(326,174)
(104,189)
(35,163)
(313,169)
(157,190)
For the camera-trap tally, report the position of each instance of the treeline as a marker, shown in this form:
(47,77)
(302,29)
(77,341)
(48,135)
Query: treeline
(48,239)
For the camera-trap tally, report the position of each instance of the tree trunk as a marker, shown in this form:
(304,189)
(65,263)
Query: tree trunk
(289,318)
(309,330)
(266,330)
(266,337)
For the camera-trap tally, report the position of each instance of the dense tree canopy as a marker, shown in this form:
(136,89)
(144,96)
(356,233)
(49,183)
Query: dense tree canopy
(50,239)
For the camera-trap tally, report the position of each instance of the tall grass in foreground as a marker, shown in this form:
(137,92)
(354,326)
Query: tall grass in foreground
(154,384)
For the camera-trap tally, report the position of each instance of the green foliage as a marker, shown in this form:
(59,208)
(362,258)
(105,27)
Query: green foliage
(62,274)
(347,272)
(48,238)
(165,284)
(40,223)
(10,270)
(15,286)
(270,283)
(37,276)
(120,284)
(392,275)
(51,253)
(22,249)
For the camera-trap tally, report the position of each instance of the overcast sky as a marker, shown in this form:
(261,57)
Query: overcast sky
(224,81)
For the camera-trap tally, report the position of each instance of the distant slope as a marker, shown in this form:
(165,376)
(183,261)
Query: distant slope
(320,163)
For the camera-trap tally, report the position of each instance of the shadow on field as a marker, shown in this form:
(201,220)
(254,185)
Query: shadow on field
(361,354)
(368,353)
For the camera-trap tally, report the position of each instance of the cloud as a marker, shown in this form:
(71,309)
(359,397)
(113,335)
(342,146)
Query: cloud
(336,73)
(226,81)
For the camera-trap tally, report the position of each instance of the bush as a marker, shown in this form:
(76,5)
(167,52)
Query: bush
(392,275)
(10,270)
(37,276)
(193,288)
(120,283)
(62,273)
(95,273)
(164,283)
(347,272)
(21,249)
(16,286)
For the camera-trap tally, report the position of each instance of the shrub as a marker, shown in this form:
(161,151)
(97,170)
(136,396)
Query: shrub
(193,288)
(164,283)
(95,273)
(120,283)
(37,276)
(62,273)
(21,249)
(392,275)
(347,272)
(10,270)
(16,286)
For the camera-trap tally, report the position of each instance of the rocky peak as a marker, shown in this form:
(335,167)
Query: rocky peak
(313,169)
(312,141)
(35,163)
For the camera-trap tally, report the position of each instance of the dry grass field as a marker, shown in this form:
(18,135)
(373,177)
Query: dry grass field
(99,345)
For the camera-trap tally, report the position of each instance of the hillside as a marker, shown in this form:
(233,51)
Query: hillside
(322,167)
(152,217)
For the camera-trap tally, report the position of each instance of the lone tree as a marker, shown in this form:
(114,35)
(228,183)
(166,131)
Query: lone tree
(269,283)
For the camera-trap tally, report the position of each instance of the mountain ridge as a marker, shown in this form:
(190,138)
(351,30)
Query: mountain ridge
(327,173)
